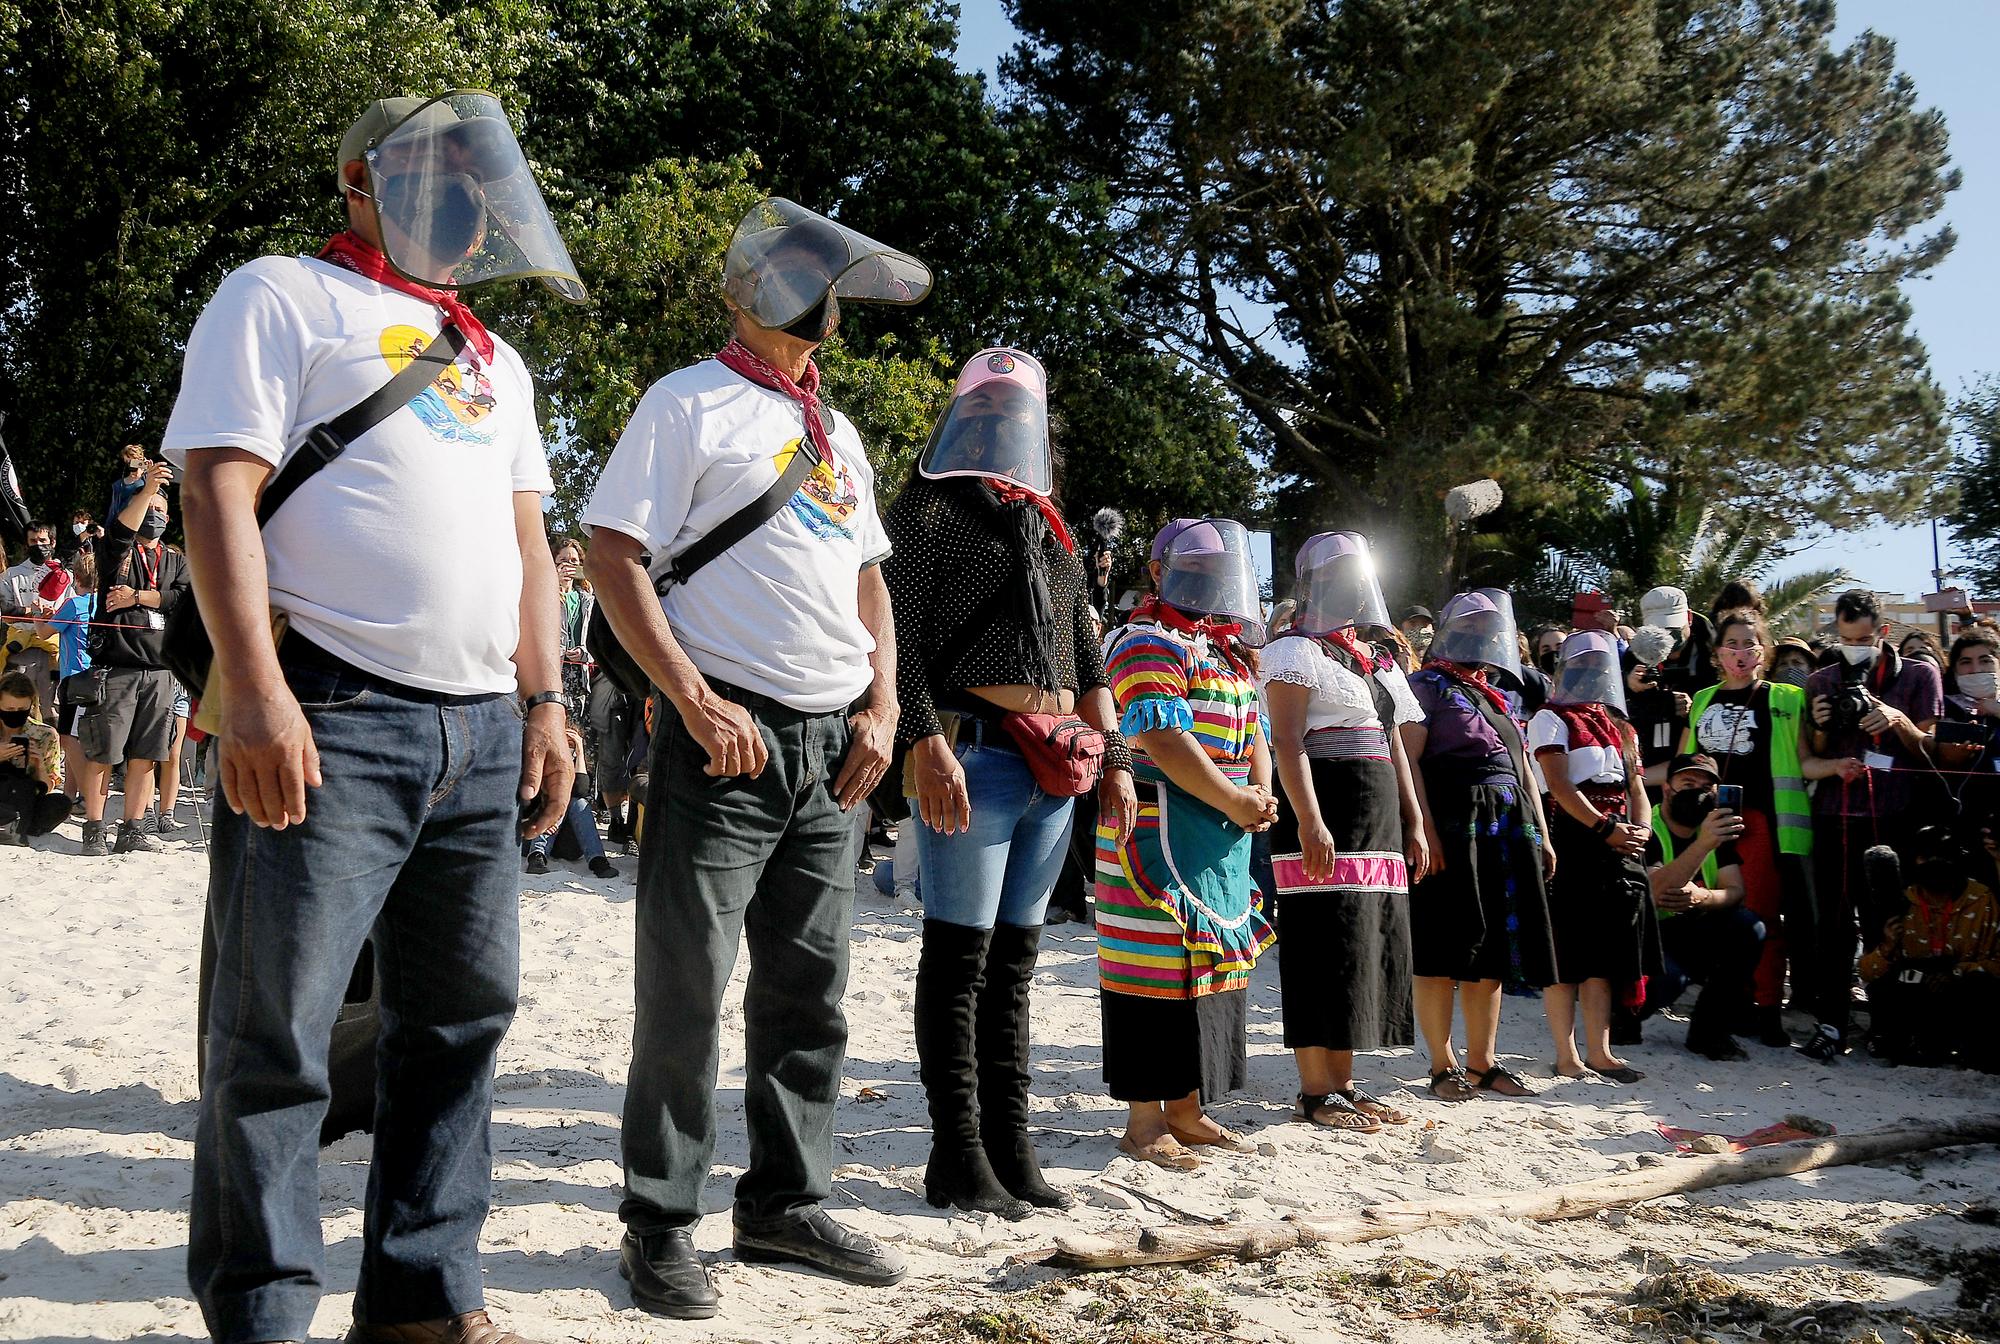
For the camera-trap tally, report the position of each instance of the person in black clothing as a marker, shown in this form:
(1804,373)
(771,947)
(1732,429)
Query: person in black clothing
(1967,750)
(1707,936)
(993,622)
(140,582)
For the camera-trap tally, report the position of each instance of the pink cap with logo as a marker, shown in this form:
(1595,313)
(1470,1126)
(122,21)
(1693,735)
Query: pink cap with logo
(1000,365)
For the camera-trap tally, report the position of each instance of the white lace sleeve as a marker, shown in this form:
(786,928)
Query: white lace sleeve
(1407,708)
(1294,660)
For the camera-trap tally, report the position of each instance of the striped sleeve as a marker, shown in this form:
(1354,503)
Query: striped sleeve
(1148,675)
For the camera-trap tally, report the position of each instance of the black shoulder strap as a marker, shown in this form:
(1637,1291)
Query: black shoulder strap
(745,520)
(330,440)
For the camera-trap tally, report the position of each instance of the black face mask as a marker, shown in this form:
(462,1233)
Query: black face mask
(1546,660)
(38,555)
(1943,877)
(153,528)
(14,718)
(1690,807)
(816,323)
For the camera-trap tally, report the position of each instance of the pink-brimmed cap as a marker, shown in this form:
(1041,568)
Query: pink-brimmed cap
(998,364)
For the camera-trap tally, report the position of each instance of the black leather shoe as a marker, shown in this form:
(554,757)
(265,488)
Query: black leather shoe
(820,1243)
(666,1275)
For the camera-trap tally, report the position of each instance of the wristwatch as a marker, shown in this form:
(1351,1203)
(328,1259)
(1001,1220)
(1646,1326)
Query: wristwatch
(530,703)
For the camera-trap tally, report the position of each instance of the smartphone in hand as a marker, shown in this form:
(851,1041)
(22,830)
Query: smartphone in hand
(1729,798)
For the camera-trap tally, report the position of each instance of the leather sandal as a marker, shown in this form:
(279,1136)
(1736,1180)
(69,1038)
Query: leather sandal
(1336,1110)
(1451,1085)
(1493,1078)
(1165,1151)
(1374,1107)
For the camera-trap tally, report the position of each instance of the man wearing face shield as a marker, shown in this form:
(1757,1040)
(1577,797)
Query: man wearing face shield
(387,700)
(1607,941)
(777,663)
(993,622)
(1349,836)
(1179,923)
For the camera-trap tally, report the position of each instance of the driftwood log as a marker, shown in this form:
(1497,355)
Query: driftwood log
(1257,1241)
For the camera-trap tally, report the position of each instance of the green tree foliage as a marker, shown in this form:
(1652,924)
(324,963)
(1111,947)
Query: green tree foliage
(1976,476)
(1565,243)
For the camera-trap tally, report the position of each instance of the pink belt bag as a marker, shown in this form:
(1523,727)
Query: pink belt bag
(1065,753)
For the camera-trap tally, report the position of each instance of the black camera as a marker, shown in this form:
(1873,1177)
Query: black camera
(1851,701)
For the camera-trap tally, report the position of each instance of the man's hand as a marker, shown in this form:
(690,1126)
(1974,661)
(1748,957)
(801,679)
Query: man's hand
(1627,840)
(1683,704)
(267,755)
(1884,718)
(546,769)
(727,732)
(1317,849)
(1719,828)
(942,799)
(120,597)
(1675,901)
(1117,804)
(871,742)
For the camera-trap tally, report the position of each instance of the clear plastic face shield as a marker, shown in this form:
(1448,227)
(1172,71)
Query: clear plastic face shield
(997,425)
(790,268)
(1475,631)
(1590,672)
(1338,586)
(457,203)
(1209,572)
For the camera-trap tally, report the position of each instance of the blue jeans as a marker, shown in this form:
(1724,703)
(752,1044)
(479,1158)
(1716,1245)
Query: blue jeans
(411,839)
(1003,868)
(582,824)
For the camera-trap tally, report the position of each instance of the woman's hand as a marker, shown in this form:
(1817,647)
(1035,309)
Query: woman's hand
(1627,840)
(1117,804)
(1317,847)
(1253,807)
(942,799)
(1416,852)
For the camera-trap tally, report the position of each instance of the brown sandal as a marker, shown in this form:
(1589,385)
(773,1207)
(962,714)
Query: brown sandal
(1493,1079)
(1341,1113)
(1165,1151)
(1451,1085)
(1374,1106)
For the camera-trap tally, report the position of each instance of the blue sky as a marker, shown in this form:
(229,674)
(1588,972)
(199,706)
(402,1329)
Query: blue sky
(1947,48)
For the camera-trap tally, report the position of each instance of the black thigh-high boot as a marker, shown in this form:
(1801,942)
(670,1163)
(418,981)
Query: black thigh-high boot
(949,973)
(1003,1066)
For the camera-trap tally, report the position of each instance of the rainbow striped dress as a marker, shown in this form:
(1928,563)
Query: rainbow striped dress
(1178,915)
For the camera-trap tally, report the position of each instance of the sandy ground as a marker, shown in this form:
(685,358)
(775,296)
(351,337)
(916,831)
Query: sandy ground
(97,1115)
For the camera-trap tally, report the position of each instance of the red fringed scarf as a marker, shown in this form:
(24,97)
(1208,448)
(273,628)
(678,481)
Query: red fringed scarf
(1152,609)
(1012,494)
(349,249)
(742,359)
(1474,677)
(1589,726)
(1362,654)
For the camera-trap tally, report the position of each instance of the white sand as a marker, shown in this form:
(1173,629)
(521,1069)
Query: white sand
(97,1114)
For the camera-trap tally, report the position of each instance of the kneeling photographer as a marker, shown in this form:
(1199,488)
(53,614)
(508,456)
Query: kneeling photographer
(1934,979)
(1880,708)
(31,798)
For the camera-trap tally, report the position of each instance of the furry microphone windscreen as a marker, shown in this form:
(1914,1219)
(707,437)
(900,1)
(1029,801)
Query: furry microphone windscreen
(1882,870)
(1651,645)
(1475,499)
(1108,524)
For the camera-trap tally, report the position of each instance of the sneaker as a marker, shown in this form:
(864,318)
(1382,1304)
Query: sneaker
(132,839)
(167,824)
(603,867)
(820,1243)
(93,840)
(1827,1044)
(538,864)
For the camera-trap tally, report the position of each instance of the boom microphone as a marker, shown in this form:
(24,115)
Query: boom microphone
(1651,645)
(1475,499)
(1108,524)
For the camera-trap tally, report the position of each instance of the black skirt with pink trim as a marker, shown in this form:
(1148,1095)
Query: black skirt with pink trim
(1344,942)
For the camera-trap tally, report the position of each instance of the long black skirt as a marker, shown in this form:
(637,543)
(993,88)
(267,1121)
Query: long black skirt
(1486,915)
(1163,1049)
(1601,907)
(1344,941)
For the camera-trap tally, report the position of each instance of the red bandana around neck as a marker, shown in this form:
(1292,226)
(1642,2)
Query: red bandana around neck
(1013,494)
(741,359)
(1474,677)
(351,250)
(1590,725)
(1152,609)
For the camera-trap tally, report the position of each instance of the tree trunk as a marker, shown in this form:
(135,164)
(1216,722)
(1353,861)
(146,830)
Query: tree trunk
(1257,1241)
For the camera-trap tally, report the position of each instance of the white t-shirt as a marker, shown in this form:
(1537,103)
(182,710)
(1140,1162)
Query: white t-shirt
(1340,698)
(400,556)
(1587,765)
(777,613)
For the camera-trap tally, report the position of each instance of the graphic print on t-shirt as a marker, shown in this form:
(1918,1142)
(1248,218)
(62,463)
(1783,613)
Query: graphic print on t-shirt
(1728,730)
(455,406)
(827,499)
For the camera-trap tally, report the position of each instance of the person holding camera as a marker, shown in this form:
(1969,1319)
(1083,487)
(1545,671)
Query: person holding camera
(1757,733)
(31,798)
(1934,978)
(1967,741)
(1874,711)
(1707,936)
